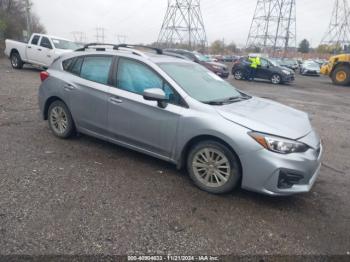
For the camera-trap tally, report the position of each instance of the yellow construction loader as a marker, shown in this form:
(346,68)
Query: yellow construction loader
(338,69)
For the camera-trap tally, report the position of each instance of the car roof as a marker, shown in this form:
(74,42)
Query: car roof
(155,58)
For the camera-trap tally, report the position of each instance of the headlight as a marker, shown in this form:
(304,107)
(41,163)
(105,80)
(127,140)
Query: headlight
(278,144)
(286,72)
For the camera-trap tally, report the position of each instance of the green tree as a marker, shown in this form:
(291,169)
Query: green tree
(304,46)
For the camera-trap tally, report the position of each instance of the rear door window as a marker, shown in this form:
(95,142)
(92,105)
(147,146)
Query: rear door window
(35,40)
(96,68)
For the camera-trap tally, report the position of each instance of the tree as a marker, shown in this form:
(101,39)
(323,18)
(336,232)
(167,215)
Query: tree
(304,46)
(231,48)
(13,20)
(217,47)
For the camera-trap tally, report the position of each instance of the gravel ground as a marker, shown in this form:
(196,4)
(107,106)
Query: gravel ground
(84,196)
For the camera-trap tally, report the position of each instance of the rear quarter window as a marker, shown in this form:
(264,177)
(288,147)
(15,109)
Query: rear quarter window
(73,65)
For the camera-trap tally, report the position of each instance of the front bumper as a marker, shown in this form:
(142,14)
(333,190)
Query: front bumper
(223,74)
(263,170)
(288,78)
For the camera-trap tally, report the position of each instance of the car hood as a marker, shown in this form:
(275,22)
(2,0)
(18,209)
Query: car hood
(217,64)
(268,117)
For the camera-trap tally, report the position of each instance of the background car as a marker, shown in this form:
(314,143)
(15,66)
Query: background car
(217,68)
(289,63)
(268,70)
(310,68)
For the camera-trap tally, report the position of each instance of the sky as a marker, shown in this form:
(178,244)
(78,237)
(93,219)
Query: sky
(140,20)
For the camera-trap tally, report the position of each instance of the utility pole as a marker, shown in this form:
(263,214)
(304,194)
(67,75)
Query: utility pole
(27,11)
(338,32)
(121,39)
(183,25)
(273,26)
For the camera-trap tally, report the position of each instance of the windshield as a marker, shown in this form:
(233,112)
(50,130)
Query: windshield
(274,62)
(202,58)
(200,83)
(312,65)
(65,44)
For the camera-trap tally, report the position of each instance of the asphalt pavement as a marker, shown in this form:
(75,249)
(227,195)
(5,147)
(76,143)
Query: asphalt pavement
(85,196)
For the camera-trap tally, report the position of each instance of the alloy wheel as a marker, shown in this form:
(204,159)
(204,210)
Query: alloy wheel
(58,120)
(276,79)
(211,167)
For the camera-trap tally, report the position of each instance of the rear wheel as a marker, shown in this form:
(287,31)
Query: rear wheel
(213,167)
(341,76)
(276,79)
(16,61)
(60,120)
(238,74)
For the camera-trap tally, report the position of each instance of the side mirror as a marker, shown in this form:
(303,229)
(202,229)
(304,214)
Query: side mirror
(156,94)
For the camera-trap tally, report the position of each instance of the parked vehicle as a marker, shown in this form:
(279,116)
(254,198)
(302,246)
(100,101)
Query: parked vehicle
(268,70)
(310,68)
(218,68)
(181,112)
(338,69)
(41,50)
(289,63)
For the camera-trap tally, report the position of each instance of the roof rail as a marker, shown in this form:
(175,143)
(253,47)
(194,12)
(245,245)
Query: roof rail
(117,47)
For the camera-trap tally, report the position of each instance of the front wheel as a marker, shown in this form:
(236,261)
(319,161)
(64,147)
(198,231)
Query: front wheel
(276,79)
(341,76)
(16,61)
(213,167)
(60,120)
(238,74)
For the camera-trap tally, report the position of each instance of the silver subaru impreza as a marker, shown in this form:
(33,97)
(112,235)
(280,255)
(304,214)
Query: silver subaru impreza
(179,111)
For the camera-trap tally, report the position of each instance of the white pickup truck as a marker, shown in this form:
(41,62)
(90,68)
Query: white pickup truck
(41,50)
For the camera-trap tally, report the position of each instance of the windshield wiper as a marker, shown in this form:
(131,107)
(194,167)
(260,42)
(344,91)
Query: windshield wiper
(227,100)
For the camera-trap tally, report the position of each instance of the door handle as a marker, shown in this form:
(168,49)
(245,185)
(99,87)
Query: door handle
(29,47)
(39,49)
(115,100)
(69,87)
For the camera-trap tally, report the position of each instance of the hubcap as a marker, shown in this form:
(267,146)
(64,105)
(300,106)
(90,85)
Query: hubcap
(238,75)
(275,79)
(211,167)
(341,76)
(58,119)
(14,61)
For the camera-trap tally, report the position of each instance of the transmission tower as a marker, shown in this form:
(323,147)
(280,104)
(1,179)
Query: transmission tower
(338,33)
(100,35)
(79,37)
(183,25)
(274,26)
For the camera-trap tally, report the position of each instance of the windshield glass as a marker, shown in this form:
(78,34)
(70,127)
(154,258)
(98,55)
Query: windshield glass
(312,65)
(202,58)
(274,62)
(65,44)
(200,83)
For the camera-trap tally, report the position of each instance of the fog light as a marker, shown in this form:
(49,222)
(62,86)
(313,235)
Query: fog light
(287,179)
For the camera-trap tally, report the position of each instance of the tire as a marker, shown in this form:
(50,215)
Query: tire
(60,120)
(238,74)
(202,168)
(341,76)
(276,79)
(16,61)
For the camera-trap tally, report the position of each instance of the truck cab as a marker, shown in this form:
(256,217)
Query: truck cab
(41,50)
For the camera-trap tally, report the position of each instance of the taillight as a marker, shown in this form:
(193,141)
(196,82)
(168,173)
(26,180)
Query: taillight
(44,75)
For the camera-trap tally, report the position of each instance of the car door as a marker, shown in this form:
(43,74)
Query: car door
(139,123)
(88,91)
(45,52)
(32,49)
(263,70)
